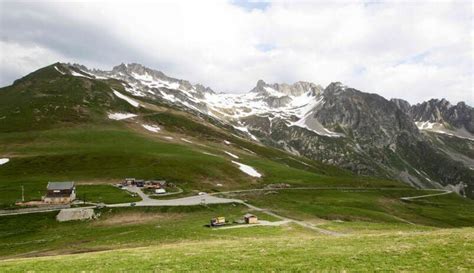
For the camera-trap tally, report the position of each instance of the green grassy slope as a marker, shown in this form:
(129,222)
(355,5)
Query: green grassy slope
(443,250)
(47,99)
(370,206)
(56,128)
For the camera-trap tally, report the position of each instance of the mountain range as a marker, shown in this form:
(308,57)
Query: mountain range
(427,145)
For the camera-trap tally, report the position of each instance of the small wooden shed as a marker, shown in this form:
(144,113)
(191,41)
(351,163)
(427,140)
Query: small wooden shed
(250,219)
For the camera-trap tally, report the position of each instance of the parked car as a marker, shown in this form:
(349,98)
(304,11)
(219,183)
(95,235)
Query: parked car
(133,204)
(202,193)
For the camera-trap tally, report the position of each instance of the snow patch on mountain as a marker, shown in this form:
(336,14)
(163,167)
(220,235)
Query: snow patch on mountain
(426,125)
(439,128)
(246,130)
(127,99)
(309,122)
(57,69)
(4,160)
(231,154)
(74,73)
(247,169)
(151,128)
(120,116)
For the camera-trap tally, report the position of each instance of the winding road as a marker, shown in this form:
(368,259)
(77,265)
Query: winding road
(207,199)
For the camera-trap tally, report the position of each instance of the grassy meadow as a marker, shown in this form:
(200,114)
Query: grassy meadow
(430,251)
(40,234)
(107,154)
(367,205)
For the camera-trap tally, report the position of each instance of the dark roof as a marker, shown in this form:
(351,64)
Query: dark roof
(60,185)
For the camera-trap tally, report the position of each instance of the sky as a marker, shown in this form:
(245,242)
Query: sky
(415,50)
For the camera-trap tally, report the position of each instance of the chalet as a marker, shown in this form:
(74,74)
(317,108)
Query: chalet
(250,219)
(139,183)
(128,181)
(60,193)
(155,184)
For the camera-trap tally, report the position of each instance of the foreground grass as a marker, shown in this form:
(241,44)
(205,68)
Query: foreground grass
(40,234)
(433,251)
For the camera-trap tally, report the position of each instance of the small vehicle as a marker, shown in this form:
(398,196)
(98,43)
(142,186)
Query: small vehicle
(133,204)
(202,193)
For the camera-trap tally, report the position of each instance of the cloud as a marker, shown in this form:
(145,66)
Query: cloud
(409,50)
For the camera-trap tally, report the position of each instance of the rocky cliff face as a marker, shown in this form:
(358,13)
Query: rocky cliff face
(368,118)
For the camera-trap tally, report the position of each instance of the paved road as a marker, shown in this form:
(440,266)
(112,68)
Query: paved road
(32,210)
(311,188)
(205,199)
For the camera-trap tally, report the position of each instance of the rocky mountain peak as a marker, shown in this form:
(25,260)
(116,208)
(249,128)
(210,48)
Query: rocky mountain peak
(403,105)
(260,84)
(442,111)
(139,70)
(335,87)
(284,89)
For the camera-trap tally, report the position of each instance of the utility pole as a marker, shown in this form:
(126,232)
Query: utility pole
(22,193)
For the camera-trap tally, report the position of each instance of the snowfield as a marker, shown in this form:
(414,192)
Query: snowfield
(127,99)
(247,169)
(4,160)
(151,128)
(120,116)
(439,128)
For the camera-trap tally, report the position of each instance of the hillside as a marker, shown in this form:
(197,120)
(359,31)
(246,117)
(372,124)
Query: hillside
(67,123)
(338,125)
(59,126)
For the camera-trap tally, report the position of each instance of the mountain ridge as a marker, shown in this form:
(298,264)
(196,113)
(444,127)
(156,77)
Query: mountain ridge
(338,125)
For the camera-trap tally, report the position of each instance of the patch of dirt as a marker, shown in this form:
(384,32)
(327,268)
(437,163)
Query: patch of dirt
(134,218)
